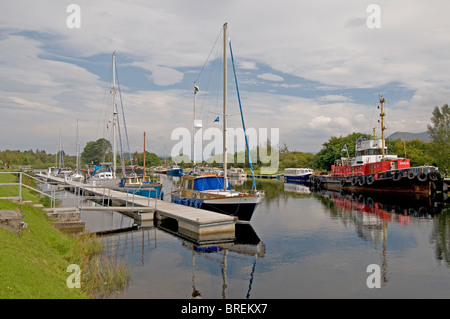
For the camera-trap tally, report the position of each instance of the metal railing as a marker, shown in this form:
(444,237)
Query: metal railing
(79,192)
(21,184)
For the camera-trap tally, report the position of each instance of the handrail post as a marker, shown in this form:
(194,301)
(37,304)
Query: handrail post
(20,186)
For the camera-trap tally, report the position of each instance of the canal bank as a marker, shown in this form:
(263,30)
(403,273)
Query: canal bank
(34,258)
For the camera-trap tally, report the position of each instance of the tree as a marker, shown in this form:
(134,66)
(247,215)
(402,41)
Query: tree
(151,159)
(331,150)
(97,151)
(439,131)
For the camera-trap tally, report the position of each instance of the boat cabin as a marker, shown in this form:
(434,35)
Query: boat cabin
(368,160)
(297,171)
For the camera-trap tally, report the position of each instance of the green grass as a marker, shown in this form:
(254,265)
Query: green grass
(34,264)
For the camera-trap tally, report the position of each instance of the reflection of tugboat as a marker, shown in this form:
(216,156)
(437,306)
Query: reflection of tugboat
(372,170)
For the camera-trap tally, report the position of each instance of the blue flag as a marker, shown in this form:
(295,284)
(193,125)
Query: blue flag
(217,119)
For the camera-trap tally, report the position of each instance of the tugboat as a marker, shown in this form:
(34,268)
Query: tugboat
(373,170)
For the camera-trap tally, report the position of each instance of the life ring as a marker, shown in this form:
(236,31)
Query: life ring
(422,177)
(397,176)
(370,179)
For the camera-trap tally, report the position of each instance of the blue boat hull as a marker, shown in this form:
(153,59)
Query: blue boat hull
(153,191)
(300,178)
(175,172)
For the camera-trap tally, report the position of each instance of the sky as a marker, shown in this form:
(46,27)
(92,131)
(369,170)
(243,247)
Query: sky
(311,69)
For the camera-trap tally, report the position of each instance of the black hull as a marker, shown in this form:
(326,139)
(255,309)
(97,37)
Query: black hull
(243,212)
(403,185)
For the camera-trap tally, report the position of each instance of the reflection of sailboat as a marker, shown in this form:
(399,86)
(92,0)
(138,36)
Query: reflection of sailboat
(247,243)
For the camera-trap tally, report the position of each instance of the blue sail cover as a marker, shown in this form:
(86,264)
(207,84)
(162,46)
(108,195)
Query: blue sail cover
(209,183)
(101,169)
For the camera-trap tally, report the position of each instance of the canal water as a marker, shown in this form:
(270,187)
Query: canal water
(299,244)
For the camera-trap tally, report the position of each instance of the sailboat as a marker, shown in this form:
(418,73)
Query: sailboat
(213,192)
(141,184)
(104,175)
(76,176)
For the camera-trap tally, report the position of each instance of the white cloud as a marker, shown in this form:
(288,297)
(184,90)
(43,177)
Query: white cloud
(270,77)
(46,66)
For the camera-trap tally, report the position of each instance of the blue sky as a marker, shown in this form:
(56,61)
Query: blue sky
(313,70)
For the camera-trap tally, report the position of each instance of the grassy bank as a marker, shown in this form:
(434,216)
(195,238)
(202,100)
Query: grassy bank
(34,264)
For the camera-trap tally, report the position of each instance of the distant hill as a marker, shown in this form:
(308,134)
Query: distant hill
(424,137)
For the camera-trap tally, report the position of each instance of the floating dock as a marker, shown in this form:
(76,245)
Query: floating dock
(192,223)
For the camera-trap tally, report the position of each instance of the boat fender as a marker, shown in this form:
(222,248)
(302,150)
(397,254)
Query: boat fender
(397,176)
(361,181)
(433,176)
(411,175)
(370,179)
(162,196)
(342,182)
(354,180)
(422,177)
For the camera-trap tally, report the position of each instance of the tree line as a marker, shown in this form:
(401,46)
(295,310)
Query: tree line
(436,152)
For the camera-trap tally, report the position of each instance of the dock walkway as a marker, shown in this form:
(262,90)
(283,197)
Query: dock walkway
(198,224)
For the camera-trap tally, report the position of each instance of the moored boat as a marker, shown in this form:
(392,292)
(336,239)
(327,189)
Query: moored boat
(174,170)
(208,192)
(297,174)
(373,170)
(141,185)
(211,191)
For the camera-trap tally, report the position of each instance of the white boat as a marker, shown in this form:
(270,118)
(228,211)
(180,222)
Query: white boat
(297,174)
(104,179)
(237,172)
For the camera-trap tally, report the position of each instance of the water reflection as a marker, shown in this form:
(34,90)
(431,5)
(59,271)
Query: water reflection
(372,214)
(247,243)
(302,243)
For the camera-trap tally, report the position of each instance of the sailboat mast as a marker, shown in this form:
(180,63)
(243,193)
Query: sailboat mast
(114,113)
(224,132)
(78,152)
(194,127)
(381,100)
(143,174)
